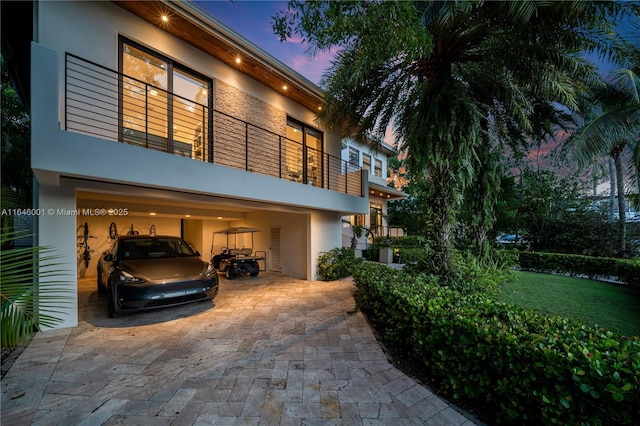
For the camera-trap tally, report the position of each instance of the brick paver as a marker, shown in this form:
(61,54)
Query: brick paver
(271,350)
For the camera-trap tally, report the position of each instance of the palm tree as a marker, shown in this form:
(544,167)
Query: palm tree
(615,132)
(442,73)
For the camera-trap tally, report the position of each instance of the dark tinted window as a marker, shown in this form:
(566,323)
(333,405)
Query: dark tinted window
(150,248)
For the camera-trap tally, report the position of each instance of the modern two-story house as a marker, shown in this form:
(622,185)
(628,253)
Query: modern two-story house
(153,116)
(372,159)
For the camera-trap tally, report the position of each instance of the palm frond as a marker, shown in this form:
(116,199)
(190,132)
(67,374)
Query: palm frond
(601,134)
(32,292)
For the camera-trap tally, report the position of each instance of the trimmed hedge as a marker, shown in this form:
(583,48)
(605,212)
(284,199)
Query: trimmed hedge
(627,271)
(337,263)
(514,365)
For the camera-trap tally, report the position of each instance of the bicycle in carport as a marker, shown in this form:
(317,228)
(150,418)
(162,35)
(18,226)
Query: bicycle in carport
(86,253)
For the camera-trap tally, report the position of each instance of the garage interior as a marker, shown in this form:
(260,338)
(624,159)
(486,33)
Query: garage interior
(283,235)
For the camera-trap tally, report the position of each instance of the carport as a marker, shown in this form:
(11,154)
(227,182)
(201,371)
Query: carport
(111,210)
(282,236)
(291,236)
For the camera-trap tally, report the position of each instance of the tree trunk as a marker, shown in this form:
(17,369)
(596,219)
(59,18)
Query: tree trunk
(622,224)
(442,210)
(612,190)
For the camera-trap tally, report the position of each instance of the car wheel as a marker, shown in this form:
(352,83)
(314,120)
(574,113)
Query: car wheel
(113,311)
(227,274)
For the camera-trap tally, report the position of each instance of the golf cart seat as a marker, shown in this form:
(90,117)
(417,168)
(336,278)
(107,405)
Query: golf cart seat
(241,252)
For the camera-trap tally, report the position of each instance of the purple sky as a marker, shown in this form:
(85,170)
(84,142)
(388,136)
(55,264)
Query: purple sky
(252,20)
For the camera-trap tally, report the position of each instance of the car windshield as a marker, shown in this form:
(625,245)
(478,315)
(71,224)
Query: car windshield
(151,248)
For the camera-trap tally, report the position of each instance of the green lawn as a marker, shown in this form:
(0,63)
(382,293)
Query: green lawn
(614,307)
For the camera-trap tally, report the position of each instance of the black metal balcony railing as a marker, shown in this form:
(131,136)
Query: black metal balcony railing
(107,104)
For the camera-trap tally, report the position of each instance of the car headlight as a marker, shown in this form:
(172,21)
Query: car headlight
(126,277)
(211,271)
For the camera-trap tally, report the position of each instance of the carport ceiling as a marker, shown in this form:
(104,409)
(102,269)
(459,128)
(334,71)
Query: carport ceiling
(137,206)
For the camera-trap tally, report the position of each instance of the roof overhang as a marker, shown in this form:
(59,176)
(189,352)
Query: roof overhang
(194,26)
(385,192)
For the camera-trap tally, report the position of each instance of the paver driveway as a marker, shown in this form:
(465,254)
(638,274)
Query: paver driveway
(273,350)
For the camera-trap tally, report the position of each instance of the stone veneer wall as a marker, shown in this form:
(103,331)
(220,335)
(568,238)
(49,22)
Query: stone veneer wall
(229,146)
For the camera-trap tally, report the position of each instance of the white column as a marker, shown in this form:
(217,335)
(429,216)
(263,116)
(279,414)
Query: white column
(57,229)
(325,233)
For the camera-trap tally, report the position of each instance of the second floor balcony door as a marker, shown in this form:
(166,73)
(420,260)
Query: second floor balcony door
(303,155)
(164,106)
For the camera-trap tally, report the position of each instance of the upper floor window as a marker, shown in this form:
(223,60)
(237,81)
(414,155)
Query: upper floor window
(378,168)
(163,105)
(366,162)
(354,157)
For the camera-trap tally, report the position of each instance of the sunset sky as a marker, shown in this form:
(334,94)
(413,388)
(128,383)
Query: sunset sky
(252,20)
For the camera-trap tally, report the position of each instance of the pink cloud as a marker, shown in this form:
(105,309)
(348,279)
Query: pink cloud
(312,68)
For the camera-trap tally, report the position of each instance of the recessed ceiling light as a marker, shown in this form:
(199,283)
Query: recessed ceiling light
(219,217)
(152,214)
(284,87)
(187,215)
(165,18)
(238,60)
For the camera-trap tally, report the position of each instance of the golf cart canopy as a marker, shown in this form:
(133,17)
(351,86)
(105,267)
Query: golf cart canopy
(237,230)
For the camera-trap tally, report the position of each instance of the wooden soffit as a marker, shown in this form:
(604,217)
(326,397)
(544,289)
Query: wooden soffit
(194,26)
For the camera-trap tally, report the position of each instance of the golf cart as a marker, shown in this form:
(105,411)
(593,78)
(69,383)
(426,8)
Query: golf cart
(235,257)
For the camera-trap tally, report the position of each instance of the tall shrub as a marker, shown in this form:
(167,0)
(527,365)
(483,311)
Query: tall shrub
(337,263)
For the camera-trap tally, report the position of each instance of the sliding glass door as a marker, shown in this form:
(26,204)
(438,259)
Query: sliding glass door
(163,105)
(303,159)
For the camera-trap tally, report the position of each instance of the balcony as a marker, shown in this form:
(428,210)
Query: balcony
(106,104)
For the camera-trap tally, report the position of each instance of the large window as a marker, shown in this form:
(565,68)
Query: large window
(163,105)
(303,153)
(366,163)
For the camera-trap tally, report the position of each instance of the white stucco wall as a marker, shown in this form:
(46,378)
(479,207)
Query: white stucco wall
(57,230)
(325,233)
